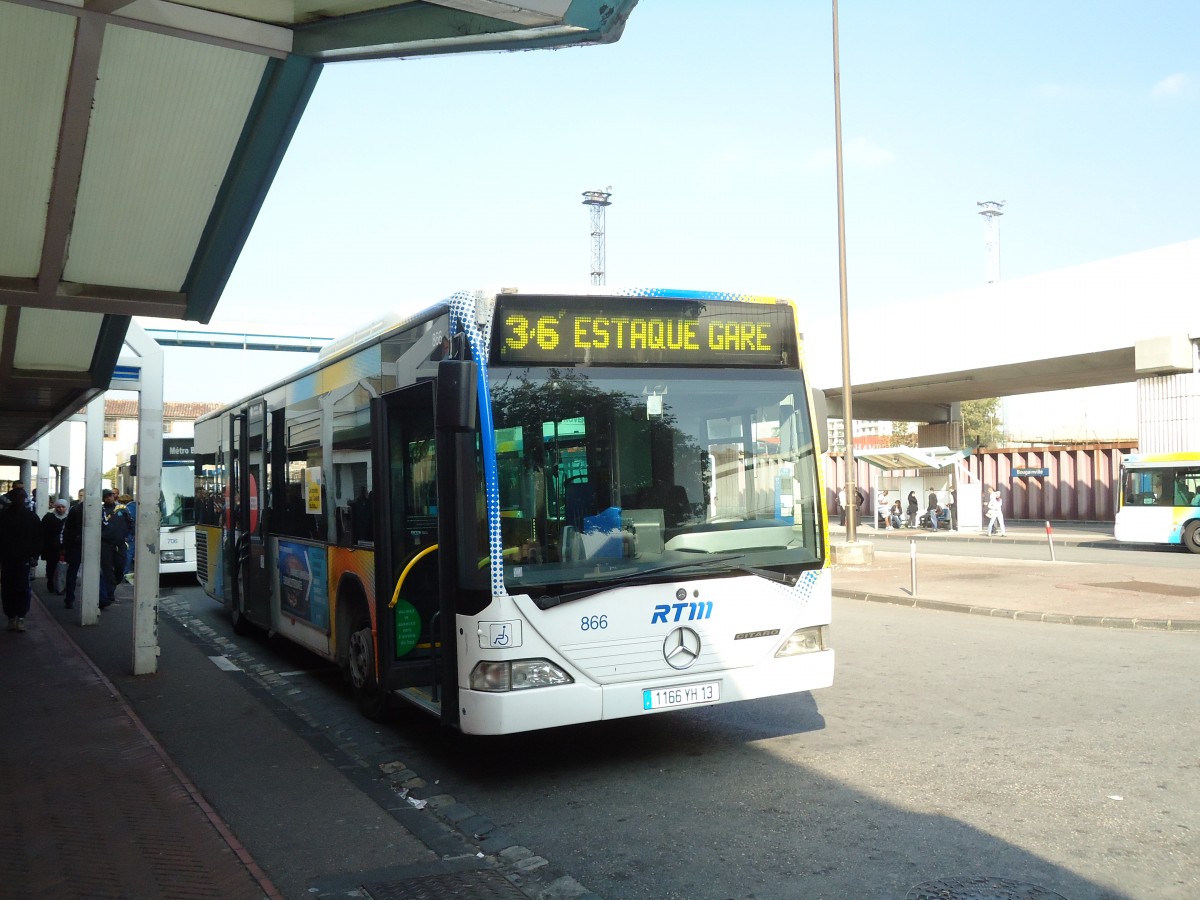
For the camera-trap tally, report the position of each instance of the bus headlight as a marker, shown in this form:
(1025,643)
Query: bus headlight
(517,675)
(805,640)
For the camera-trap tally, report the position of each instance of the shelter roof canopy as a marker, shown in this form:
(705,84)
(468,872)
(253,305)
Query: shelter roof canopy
(140,141)
(893,458)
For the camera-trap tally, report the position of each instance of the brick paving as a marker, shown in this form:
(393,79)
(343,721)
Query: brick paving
(90,805)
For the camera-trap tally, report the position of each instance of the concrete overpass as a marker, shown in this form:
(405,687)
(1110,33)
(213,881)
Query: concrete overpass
(1130,319)
(930,398)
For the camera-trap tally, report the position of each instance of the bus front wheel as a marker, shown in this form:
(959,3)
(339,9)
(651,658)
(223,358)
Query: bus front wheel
(372,699)
(1191,536)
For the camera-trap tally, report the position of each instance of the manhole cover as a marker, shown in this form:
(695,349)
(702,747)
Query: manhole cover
(480,885)
(979,887)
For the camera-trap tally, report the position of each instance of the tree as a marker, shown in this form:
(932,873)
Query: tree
(981,422)
(902,435)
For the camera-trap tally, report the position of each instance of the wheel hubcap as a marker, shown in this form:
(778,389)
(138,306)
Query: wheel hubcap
(362,661)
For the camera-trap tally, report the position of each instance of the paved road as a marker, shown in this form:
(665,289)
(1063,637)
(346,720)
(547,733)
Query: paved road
(950,745)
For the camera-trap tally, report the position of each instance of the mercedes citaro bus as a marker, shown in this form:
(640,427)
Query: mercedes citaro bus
(518,510)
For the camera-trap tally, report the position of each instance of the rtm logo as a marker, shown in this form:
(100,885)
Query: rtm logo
(695,611)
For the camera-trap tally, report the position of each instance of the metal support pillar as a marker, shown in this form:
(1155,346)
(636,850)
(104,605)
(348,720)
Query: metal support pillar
(88,593)
(43,476)
(149,514)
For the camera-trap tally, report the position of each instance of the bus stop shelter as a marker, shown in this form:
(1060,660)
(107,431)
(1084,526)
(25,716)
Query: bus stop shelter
(934,467)
(139,144)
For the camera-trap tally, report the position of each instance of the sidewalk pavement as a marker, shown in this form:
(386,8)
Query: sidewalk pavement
(1165,597)
(90,803)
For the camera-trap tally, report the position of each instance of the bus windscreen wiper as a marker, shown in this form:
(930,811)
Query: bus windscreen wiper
(547,601)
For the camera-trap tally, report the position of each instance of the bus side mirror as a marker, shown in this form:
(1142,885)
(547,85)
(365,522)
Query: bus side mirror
(821,413)
(457,395)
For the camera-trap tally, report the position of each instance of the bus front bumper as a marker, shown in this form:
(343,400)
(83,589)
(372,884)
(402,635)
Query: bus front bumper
(482,712)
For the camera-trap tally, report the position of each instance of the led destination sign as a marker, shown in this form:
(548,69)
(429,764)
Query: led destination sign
(548,331)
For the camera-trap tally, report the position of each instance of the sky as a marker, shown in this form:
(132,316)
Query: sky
(713,126)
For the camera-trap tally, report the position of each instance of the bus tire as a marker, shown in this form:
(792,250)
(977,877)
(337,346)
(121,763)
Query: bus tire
(1191,535)
(373,701)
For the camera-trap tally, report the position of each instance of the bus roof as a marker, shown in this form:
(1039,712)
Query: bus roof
(391,322)
(1152,460)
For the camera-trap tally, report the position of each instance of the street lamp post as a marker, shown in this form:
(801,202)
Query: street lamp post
(847,401)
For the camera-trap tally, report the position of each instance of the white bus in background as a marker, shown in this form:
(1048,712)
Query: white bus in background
(177,488)
(1159,501)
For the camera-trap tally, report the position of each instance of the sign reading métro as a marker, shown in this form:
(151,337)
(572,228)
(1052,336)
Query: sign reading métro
(1030,473)
(174,449)
(546,331)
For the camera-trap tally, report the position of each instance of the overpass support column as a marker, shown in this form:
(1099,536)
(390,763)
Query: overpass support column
(947,432)
(1168,394)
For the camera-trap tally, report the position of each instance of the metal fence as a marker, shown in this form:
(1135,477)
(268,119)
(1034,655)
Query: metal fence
(1064,484)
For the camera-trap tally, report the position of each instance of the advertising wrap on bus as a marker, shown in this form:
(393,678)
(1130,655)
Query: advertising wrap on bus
(518,510)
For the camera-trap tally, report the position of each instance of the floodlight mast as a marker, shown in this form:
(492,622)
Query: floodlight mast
(991,210)
(598,201)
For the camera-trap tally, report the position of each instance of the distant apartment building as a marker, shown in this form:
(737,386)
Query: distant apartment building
(121,425)
(867,435)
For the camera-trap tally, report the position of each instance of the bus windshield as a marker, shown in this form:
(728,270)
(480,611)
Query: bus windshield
(628,472)
(177,486)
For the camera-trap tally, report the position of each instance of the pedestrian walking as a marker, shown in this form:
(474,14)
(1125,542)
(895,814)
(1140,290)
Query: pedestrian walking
(995,512)
(18,489)
(72,551)
(114,529)
(933,510)
(20,542)
(842,504)
(53,524)
(131,542)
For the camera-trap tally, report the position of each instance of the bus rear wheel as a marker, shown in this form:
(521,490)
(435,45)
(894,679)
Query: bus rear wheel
(1191,536)
(373,701)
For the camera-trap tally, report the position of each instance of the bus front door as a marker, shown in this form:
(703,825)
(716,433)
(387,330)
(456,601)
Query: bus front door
(409,602)
(251,568)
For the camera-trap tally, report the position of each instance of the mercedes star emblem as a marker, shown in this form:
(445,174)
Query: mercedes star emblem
(681,648)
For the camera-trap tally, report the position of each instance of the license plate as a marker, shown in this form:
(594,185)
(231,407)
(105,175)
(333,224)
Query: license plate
(683,695)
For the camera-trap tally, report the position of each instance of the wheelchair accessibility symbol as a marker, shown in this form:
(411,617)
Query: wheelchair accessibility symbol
(499,635)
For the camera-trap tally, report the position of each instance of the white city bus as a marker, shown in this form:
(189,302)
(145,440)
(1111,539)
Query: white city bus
(177,533)
(522,510)
(1159,502)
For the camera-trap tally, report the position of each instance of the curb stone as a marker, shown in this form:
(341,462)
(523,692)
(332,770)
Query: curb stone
(1184,625)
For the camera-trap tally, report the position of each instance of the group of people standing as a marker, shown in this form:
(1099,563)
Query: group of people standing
(890,516)
(57,538)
